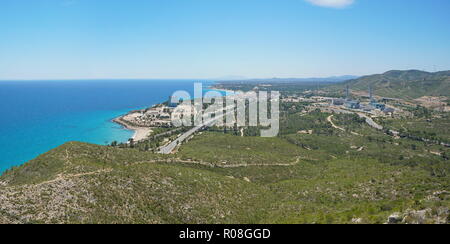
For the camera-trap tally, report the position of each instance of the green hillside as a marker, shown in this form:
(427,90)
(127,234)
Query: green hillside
(408,84)
(82,183)
(328,182)
(313,172)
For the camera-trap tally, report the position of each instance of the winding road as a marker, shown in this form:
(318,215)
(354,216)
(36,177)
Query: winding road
(333,124)
(369,120)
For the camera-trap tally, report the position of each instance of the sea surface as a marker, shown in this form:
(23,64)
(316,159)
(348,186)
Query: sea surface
(37,116)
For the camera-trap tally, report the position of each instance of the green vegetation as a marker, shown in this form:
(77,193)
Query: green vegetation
(291,123)
(313,172)
(96,184)
(409,84)
(285,88)
(404,84)
(224,150)
(82,183)
(436,129)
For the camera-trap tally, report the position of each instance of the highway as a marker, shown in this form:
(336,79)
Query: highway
(169,148)
(369,120)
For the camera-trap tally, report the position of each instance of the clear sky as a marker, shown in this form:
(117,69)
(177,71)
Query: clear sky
(75,39)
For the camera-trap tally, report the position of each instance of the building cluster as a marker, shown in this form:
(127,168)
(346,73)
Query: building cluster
(371,106)
(158,116)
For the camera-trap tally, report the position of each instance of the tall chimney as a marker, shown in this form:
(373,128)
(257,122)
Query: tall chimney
(347,92)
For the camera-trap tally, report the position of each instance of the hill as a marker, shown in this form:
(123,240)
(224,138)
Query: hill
(83,183)
(409,84)
(322,168)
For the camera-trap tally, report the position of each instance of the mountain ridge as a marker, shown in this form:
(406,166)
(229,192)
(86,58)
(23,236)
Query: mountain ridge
(408,84)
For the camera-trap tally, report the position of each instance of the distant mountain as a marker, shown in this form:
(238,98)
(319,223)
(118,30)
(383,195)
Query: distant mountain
(293,80)
(408,84)
(231,77)
(336,78)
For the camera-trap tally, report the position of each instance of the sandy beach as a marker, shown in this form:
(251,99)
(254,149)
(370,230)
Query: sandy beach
(140,133)
(222,90)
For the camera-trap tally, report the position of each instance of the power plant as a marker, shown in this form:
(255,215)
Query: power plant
(374,103)
(350,103)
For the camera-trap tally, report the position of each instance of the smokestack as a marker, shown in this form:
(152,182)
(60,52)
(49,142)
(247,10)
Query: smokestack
(347,92)
(370,93)
(318,88)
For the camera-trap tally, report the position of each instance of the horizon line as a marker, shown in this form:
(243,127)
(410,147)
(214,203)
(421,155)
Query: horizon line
(211,79)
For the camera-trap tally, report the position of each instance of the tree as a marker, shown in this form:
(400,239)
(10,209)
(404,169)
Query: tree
(445,156)
(131,142)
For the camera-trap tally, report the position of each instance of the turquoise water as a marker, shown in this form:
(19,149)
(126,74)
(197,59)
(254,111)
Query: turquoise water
(37,116)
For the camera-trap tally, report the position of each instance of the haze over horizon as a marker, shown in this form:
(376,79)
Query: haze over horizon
(201,39)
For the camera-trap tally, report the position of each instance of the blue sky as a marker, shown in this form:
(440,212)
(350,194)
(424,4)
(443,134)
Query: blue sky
(75,39)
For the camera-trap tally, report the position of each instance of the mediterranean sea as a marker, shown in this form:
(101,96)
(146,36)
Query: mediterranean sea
(37,116)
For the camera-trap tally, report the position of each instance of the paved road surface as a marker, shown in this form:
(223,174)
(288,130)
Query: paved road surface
(333,124)
(369,120)
(167,149)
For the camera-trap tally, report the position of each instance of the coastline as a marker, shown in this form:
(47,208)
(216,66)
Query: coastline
(140,133)
(94,125)
(213,88)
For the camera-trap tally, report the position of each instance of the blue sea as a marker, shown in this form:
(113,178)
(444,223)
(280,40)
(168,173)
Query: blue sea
(37,116)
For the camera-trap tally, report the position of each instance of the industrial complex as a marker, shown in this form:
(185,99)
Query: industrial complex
(370,106)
